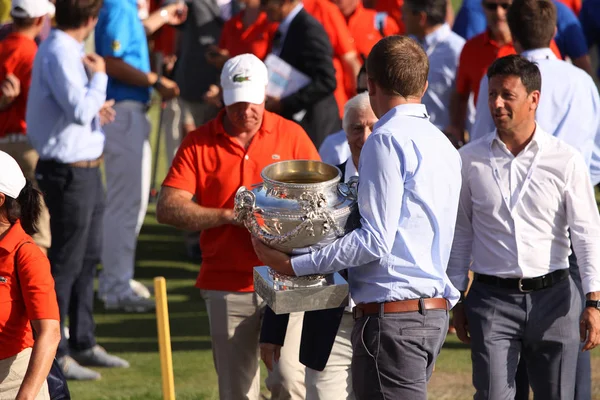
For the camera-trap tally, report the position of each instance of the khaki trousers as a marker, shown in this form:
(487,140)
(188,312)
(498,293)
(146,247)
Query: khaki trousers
(335,381)
(235,321)
(196,113)
(12,372)
(27,159)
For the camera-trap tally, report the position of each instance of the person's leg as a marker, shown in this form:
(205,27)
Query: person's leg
(235,320)
(497,319)
(172,127)
(551,342)
(393,356)
(522,381)
(335,381)
(286,381)
(127,169)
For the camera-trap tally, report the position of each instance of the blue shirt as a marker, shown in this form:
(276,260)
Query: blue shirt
(63,103)
(443,48)
(569,107)
(120,34)
(335,150)
(590,21)
(470,21)
(408,192)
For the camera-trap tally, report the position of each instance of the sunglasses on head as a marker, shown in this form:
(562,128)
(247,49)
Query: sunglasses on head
(494,6)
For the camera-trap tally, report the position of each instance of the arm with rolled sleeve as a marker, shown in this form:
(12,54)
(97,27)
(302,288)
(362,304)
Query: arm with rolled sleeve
(380,195)
(80,102)
(460,256)
(584,222)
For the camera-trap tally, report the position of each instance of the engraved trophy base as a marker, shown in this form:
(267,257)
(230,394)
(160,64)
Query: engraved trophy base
(287,294)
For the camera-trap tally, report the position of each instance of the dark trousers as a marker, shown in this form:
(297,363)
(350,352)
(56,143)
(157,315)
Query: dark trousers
(393,355)
(75,199)
(583,378)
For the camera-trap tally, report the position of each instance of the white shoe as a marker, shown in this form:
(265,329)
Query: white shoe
(66,332)
(131,303)
(140,289)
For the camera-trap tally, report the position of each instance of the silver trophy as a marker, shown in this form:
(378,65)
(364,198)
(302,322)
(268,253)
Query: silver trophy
(301,206)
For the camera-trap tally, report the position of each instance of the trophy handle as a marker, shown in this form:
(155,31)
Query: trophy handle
(349,189)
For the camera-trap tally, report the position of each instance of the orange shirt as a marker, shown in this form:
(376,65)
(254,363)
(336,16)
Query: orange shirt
(212,165)
(16,57)
(574,5)
(332,19)
(394,9)
(255,39)
(24,297)
(477,55)
(363,28)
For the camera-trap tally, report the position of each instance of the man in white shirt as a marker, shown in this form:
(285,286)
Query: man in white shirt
(523,189)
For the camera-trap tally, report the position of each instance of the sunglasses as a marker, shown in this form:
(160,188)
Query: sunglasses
(494,6)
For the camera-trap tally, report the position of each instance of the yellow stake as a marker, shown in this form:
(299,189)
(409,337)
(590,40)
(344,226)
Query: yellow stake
(164,338)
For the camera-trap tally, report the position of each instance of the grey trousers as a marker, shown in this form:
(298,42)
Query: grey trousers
(393,355)
(541,326)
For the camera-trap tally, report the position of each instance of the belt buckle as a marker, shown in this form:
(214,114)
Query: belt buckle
(355,313)
(521,287)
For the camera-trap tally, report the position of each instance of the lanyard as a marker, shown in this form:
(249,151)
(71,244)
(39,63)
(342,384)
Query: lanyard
(525,185)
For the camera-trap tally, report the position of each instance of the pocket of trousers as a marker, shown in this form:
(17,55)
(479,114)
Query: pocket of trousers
(421,331)
(371,342)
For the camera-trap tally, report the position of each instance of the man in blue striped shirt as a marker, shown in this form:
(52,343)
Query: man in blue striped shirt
(408,194)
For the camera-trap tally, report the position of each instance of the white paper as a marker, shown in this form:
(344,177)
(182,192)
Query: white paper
(284,79)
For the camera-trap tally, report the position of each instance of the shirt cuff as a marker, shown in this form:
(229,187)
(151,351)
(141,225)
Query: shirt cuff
(303,265)
(99,82)
(590,285)
(460,282)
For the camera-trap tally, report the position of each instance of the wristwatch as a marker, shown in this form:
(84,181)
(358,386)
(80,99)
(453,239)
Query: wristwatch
(593,303)
(462,297)
(164,14)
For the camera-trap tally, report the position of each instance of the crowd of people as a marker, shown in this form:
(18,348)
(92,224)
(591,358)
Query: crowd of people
(391,89)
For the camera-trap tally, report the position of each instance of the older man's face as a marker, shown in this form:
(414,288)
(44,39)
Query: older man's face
(245,116)
(360,126)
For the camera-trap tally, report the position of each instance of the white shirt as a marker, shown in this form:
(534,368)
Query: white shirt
(335,150)
(350,171)
(284,26)
(515,212)
(569,107)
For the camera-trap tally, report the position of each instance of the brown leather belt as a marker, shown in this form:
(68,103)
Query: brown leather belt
(87,164)
(393,307)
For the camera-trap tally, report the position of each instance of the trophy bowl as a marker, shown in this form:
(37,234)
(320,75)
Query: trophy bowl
(300,207)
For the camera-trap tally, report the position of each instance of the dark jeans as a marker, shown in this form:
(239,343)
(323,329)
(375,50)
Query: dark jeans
(583,379)
(75,199)
(393,356)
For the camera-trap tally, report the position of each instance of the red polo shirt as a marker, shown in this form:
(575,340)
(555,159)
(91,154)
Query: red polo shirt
(254,39)
(477,55)
(16,57)
(394,9)
(212,165)
(30,296)
(364,30)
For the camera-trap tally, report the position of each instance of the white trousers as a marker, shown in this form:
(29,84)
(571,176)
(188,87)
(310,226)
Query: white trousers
(172,124)
(235,321)
(335,381)
(127,162)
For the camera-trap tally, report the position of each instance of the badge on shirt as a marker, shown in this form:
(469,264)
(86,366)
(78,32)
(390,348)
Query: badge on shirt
(241,78)
(116,45)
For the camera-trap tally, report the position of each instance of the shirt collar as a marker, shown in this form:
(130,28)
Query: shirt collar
(436,36)
(67,39)
(539,54)
(407,110)
(350,170)
(539,138)
(13,237)
(488,39)
(285,24)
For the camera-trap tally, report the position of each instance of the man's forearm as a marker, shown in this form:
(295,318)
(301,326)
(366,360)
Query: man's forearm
(187,215)
(154,22)
(118,69)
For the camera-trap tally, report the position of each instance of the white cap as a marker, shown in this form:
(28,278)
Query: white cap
(12,180)
(31,8)
(244,80)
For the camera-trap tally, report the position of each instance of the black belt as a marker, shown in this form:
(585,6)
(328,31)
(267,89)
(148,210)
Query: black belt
(524,285)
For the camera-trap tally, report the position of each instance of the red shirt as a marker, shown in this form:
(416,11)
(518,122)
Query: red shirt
(28,297)
(574,5)
(364,30)
(332,19)
(254,39)
(164,38)
(17,53)
(213,165)
(477,55)
(394,9)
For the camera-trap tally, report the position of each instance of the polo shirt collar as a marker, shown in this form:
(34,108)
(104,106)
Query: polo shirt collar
(13,237)
(406,110)
(539,54)
(487,38)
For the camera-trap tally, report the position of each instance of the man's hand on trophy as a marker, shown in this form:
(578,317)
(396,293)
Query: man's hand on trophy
(270,353)
(275,259)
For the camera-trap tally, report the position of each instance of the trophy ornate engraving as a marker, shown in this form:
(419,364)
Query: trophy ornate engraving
(300,206)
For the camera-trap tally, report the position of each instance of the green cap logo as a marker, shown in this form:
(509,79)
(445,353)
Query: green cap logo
(241,78)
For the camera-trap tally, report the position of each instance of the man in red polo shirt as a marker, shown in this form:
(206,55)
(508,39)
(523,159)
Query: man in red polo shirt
(17,52)
(212,163)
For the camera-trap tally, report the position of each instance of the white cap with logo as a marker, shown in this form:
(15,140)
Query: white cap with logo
(12,180)
(31,8)
(244,79)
